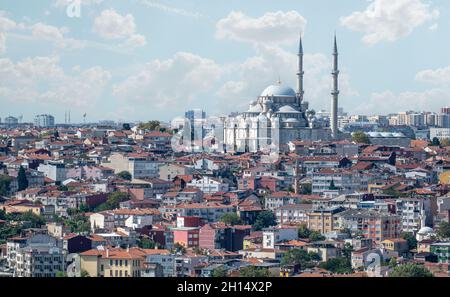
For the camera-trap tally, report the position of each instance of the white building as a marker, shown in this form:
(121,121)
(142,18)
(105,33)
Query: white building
(54,171)
(209,185)
(440,133)
(44,121)
(166,260)
(274,235)
(139,165)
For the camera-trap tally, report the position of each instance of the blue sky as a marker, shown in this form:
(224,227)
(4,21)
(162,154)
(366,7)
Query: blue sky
(154,59)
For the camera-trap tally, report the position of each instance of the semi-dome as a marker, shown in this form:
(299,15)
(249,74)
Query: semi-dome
(425,231)
(291,120)
(278,91)
(287,109)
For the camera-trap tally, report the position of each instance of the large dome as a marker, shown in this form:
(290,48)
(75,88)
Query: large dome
(277,91)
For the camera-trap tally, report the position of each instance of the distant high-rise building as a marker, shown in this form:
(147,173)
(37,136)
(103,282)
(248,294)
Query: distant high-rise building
(196,119)
(11,121)
(445,110)
(44,121)
(195,114)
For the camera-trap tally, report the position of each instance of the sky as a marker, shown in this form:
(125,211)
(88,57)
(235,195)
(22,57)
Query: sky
(140,60)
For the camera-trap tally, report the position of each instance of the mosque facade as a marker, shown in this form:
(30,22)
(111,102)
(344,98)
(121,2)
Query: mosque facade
(280,115)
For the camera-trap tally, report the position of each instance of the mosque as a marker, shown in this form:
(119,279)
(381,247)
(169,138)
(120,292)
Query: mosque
(280,115)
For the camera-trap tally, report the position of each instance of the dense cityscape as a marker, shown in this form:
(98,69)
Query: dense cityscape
(278,189)
(116,200)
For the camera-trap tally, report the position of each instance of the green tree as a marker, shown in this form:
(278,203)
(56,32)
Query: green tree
(61,274)
(410,270)
(347,251)
(5,182)
(360,137)
(332,186)
(22,180)
(231,219)
(63,188)
(124,175)
(410,238)
(35,220)
(305,233)
(393,262)
(299,257)
(435,142)
(78,223)
(341,265)
(147,243)
(179,248)
(443,230)
(113,201)
(264,219)
(151,125)
(219,272)
(84,273)
(306,189)
(252,271)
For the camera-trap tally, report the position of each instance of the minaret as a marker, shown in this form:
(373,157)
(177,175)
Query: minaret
(334,93)
(300,73)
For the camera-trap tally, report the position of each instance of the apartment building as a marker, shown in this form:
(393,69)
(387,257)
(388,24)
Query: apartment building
(208,211)
(372,224)
(116,262)
(209,185)
(323,219)
(138,165)
(345,181)
(281,198)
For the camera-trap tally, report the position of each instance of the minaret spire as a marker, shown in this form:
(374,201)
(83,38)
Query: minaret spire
(335,92)
(300,73)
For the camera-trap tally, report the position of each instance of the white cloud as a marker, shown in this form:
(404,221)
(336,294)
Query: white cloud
(248,80)
(5,25)
(64,3)
(388,102)
(112,25)
(272,27)
(171,9)
(56,35)
(440,76)
(136,40)
(389,20)
(171,83)
(41,80)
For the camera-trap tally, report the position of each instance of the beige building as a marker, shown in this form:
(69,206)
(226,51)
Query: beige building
(138,165)
(323,220)
(116,262)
